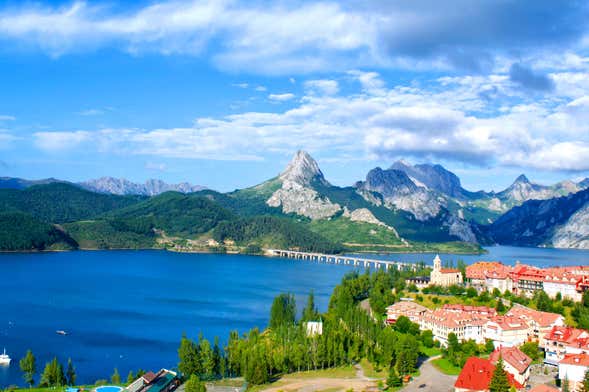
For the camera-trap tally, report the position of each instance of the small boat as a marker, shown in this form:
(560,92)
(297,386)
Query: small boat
(61,332)
(4,358)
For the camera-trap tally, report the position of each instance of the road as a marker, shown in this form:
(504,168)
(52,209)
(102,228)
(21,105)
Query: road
(430,380)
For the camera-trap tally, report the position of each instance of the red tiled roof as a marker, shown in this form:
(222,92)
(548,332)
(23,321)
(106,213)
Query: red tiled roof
(149,377)
(512,356)
(575,359)
(476,375)
(449,270)
(543,319)
(570,336)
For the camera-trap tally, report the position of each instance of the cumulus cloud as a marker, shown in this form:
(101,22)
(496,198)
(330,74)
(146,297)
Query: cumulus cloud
(445,119)
(322,87)
(304,36)
(281,97)
(529,79)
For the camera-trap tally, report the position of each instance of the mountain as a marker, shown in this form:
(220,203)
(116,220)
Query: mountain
(560,222)
(523,189)
(20,183)
(151,187)
(61,202)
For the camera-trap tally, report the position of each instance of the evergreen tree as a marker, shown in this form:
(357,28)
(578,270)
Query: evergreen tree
(310,312)
(194,384)
(565,385)
(393,380)
(70,373)
(52,374)
(130,377)
(499,381)
(586,382)
(283,311)
(116,377)
(29,367)
(189,358)
(207,360)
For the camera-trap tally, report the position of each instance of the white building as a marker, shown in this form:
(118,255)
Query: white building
(573,367)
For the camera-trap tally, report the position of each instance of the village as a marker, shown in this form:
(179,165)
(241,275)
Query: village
(565,349)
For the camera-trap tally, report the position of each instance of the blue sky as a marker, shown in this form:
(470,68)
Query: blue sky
(222,93)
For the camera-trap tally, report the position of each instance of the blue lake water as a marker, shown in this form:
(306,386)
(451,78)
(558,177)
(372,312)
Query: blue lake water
(128,309)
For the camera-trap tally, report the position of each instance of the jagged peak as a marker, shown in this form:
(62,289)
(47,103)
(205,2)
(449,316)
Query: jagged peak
(522,179)
(303,169)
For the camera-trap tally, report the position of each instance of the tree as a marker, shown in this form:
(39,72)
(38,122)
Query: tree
(52,374)
(394,380)
(489,346)
(427,338)
(29,368)
(471,292)
(116,377)
(500,307)
(565,384)
(531,350)
(586,382)
(70,373)
(194,384)
(130,377)
(283,311)
(207,360)
(310,312)
(499,381)
(188,355)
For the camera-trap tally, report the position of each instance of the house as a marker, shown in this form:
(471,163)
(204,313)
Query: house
(409,309)
(564,340)
(420,282)
(527,279)
(476,376)
(564,282)
(540,322)
(515,363)
(476,273)
(443,322)
(444,276)
(162,381)
(573,368)
(506,331)
(478,310)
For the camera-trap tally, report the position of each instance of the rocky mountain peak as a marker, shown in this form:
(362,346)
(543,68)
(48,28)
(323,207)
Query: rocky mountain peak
(522,179)
(303,170)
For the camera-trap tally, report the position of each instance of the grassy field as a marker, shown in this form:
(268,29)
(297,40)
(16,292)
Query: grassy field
(443,365)
(339,372)
(370,371)
(430,351)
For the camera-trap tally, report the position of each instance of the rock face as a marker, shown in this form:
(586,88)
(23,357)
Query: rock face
(121,186)
(523,189)
(558,222)
(399,191)
(297,194)
(434,177)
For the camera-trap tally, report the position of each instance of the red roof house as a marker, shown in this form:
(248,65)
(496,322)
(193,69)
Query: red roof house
(476,376)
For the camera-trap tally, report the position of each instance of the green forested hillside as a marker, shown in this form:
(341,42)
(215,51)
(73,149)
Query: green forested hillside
(61,202)
(19,231)
(112,234)
(267,231)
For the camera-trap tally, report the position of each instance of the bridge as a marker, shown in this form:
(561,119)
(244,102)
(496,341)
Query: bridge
(338,259)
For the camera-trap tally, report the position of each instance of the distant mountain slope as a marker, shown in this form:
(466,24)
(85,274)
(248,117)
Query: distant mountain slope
(61,202)
(560,222)
(151,187)
(20,231)
(20,183)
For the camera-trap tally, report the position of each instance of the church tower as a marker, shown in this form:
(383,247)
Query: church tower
(437,263)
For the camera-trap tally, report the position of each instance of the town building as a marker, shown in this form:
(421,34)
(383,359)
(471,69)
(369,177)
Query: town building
(540,322)
(476,376)
(444,276)
(573,368)
(162,381)
(515,363)
(507,331)
(409,309)
(487,275)
(564,340)
(559,280)
(443,322)
(527,279)
(420,282)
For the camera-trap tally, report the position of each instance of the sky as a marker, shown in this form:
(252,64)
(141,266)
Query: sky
(223,93)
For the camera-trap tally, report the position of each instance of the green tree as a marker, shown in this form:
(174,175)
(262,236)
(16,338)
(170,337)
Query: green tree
(193,384)
(116,377)
(489,346)
(499,381)
(283,311)
(130,377)
(565,385)
(586,382)
(531,350)
(427,338)
(29,367)
(70,373)
(52,374)
(207,360)
(310,312)
(471,292)
(500,307)
(394,380)
(189,358)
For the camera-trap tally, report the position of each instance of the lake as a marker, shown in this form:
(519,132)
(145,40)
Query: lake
(129,309)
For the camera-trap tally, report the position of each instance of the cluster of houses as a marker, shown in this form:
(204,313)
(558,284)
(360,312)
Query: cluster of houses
(570,282)
(564,347)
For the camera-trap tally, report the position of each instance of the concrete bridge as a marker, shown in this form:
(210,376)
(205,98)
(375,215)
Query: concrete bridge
(337,259)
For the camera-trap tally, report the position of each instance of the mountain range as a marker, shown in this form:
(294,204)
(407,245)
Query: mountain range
(402,208)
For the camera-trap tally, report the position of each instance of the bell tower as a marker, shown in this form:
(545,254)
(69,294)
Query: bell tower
(437,263)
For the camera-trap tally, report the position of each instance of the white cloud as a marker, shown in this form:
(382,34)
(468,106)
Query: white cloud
(59,141)
(156,166)
(322,86)
(5,117)
(281,97)
(91,112)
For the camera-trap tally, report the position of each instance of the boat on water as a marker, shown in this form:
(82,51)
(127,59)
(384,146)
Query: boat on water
(61,332)
(4,358)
